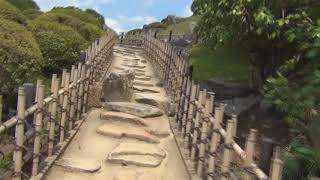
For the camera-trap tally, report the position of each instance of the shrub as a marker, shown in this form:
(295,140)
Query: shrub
(20,57)
(88,31)
(77,13)
(98,16)
(60,45)
(8,11)
(32,13)
(154,25)
(134,31)
(24,4)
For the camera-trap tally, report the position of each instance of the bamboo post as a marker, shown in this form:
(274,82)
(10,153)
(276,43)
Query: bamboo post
(64,107)
(86,91)
(73,99)
(215,140)
(277,165)
(227,152)
(19,134)
(53,117)
(53,82)
(196,128)
(203,140)
(190,116)
(1,109)
(250,149)
(81,86)
(185,108)
(38,129)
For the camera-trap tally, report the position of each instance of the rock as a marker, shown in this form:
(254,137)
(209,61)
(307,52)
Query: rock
(139,154)
(146,89)
(143,78)
(141,83)
(76,164)
(94,99)
(140,74)
(137,109)
(239,105)
(120,116)
(118,87)
(128,131)
(160,83)
(144,61)
(152,99)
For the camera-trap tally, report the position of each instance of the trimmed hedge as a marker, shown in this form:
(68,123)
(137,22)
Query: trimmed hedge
(10,12)
(78,13)
(88,31)
(24,4)
(20,57)
(60,45)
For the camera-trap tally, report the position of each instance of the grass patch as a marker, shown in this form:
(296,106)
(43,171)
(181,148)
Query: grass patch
(181,27)
(229,64)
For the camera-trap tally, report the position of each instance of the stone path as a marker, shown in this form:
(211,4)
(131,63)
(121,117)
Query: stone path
(125,140)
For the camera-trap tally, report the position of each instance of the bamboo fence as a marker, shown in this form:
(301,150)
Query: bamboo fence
(206,138)
(36,143)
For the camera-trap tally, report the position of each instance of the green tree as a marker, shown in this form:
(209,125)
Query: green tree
(10,12)
(20,58)
(59,44)
(78,13)
(98,16)
(24,4)
(89,31)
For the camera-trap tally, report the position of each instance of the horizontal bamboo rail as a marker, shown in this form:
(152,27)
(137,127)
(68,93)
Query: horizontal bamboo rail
(199,121)
(53,126)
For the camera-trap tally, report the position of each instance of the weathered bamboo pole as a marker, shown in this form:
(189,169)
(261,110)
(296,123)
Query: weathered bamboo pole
(277,165)
(215,140)
(196,128)
(190,115)
(227,152)
(53,118)
(203,138)
(53,81)
(38,129)
(19,134)
(86,91)
(81,89)
(185,108)
(73,100)
(250,149)
(1,109)
(64,107)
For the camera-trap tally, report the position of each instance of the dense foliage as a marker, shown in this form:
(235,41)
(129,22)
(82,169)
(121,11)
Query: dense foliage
(98,16)
(36,44)
(78,13)
(87,30)
(24,4)
(20,57)
(283,39)
(135,31)
(155,25)
(60,44)
(10,12)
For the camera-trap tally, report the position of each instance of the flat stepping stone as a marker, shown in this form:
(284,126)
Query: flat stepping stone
(80,165)
(139,154)
(137,109)
(127,131)
(143,78)
(135,66)
(141,83)
(140,74)
(120,116)
(146,89)
(152,99)
(130,148)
